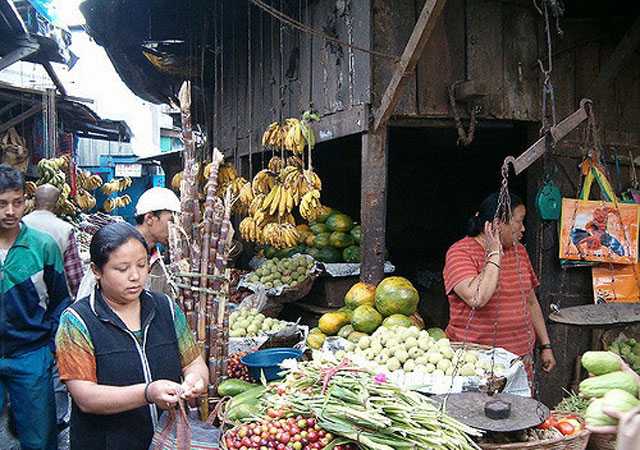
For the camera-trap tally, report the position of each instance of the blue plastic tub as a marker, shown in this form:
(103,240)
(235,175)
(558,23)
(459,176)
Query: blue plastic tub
(268,361)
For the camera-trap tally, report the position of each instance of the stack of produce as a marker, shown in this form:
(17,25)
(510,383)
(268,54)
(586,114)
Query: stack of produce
(393,302)
(245,399)
(413,351)
(629,350)
(251,323)
(356,405)
(334,238)
(609,387)
(236,371)
(286,272)
(58,172)
(295,433)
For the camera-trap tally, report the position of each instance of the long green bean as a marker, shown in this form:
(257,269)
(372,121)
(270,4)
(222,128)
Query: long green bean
(376,415)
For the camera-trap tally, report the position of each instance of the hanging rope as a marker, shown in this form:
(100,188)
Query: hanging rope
(282,17)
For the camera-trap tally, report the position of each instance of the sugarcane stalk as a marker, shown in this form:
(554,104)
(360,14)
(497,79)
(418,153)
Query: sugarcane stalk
(210,202)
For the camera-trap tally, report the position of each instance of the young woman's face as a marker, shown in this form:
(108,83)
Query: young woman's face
(124,276)
(514,229)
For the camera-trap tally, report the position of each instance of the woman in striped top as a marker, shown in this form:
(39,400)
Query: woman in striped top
(490,284)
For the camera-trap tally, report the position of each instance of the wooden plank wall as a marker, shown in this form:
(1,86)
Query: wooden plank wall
(488,41)
(275,71)
(579,57)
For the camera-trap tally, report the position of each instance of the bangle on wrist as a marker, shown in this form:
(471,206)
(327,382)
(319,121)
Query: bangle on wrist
(493,253)
(546,347)
(146,393)
(495,264)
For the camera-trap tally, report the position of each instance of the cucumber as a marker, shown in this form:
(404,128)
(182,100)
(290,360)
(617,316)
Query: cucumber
(241,411)
(249,397)
(232,387)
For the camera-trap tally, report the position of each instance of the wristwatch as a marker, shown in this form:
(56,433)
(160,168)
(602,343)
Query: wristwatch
(546,347)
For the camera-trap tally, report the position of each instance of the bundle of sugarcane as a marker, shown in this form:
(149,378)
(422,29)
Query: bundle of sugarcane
(200,245)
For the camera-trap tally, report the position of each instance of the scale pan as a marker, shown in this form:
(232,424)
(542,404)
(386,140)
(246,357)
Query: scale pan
(469,408)
(598,315)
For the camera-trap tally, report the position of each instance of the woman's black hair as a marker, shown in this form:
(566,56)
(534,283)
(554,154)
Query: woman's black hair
(111,237)
(487,212)
(10,179)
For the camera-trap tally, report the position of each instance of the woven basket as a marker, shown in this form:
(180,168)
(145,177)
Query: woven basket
(603,442)
(576,442)
(291,295)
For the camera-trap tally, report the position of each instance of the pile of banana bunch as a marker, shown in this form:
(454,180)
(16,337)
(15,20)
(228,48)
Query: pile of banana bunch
(227,178)
(87,181)
(116,185)
(293,134)
(54,171)
(271,199)
(112,204)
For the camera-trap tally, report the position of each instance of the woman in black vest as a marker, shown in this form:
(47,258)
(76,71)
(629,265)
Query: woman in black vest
(124,353)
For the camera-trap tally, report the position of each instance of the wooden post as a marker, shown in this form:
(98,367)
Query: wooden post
(373,204)
(373,207)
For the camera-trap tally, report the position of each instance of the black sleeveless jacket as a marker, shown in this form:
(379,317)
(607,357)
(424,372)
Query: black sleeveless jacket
(121,361)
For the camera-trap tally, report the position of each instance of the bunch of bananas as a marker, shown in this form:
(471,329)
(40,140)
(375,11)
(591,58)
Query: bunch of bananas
(30,188)
(249,230)
(176,181)
(85,200)
(300,181)
(279,201)
(280,235)
(274,136)
(116,185)
(293,134)
(51,172)
(89,182)
(310,206)
(226,174)
(263,182)
(111,204)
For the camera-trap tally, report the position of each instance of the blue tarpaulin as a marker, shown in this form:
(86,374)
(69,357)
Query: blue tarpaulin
(47,8)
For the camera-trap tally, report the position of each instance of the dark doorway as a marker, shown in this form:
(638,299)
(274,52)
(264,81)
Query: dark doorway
(434,188)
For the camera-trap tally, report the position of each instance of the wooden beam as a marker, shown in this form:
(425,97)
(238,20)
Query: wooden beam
(373,206)
(27,48)
(623,51)
(54,77)
(8,107)
(35,109)
(421,33)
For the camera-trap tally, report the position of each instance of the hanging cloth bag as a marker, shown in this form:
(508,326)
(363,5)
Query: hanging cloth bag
(598,231)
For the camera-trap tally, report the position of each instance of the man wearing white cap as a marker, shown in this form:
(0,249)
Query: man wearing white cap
(154,212)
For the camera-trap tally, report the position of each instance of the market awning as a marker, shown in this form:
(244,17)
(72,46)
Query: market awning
(20,104)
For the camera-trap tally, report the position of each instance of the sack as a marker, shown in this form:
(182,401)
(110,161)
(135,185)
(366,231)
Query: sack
(14,150)
(600,231)
(177,431)
(616,283)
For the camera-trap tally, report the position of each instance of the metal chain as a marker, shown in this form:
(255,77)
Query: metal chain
(465,138)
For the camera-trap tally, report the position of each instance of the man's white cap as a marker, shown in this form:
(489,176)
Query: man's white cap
(157,199)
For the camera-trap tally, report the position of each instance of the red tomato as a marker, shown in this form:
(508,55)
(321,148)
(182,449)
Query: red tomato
(551,422)
(573,420)
(566,428)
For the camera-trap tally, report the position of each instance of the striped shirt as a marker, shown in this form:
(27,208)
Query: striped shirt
(508,307)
